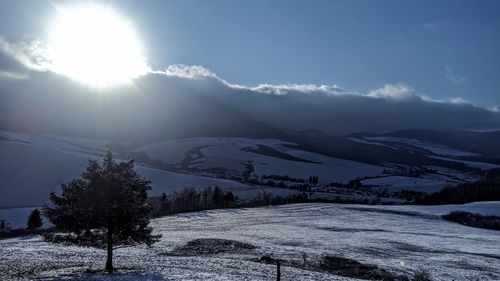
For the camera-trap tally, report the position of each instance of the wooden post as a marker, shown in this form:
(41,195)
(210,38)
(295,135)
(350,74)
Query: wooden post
(109,260)
(278,270)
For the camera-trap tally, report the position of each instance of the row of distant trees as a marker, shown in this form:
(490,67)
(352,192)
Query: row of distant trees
(190,199)
(282,181)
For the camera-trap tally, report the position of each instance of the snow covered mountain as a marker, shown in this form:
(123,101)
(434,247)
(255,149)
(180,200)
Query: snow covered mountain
(36,164)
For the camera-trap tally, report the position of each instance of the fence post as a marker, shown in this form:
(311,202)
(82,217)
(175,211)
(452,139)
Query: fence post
(278,270)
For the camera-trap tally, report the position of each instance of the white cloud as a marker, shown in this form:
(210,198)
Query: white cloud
(200,72)
(495,109)
(399,92)
(190,72)
(458,100)
(282,89)
(30,54)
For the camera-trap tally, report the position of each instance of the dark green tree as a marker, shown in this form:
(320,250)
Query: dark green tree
(206,198)
(218,197)
(34,220)
(229,198)
(108,204)
(186,200)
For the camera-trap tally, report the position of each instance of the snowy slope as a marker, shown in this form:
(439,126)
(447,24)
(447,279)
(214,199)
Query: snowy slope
(232,153)
(437,151)
(399,239)
(424,184)
(491,208)
(36,165)
(434,148)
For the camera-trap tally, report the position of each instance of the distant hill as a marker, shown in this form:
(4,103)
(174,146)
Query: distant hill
(484,143)
(475,146)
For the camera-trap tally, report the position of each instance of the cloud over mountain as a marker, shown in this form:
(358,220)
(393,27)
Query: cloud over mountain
(191,100)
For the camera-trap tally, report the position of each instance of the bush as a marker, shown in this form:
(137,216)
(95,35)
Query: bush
(354,269)
(474,220)
(422,275)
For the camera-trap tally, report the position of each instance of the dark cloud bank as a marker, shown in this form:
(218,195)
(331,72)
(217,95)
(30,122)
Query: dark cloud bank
(192,101)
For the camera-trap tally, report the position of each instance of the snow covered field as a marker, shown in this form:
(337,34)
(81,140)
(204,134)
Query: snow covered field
(399,239)
(434,148)
(230,154)
(36,165)
(431,183)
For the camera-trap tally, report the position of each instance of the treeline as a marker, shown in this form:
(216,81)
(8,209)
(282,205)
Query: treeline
(283,182)
(282,178)
(190,199)
(16,232)
(484,190)
(33,225)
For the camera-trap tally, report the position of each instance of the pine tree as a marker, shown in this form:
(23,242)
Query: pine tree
(186,200)
(206,198)
(229,198)
(108,203)
(34,220)
(218,197)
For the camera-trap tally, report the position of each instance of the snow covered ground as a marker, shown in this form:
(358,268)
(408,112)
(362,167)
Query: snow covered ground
(399,239)
(491,208)
(36,165)
(480,165)
(425,184)
(434,148)
(230,154)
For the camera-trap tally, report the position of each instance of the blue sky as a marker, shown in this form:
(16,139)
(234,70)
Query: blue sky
(442,49)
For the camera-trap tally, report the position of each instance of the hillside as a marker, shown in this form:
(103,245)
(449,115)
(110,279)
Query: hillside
(398,240)
(356,167)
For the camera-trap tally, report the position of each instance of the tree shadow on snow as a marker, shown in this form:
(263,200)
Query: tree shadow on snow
(131,276)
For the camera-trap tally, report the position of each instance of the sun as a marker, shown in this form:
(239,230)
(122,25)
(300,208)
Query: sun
(94,45)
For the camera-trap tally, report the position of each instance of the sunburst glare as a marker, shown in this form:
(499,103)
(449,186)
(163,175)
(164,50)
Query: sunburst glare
(94,45)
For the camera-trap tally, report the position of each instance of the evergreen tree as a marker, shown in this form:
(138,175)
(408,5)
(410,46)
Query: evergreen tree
(218,197)
(206,198)
(166,205)
(107,203)
(186,200)
(229,198)
(34,220)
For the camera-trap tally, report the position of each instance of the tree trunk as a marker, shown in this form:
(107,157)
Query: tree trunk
(109,260)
